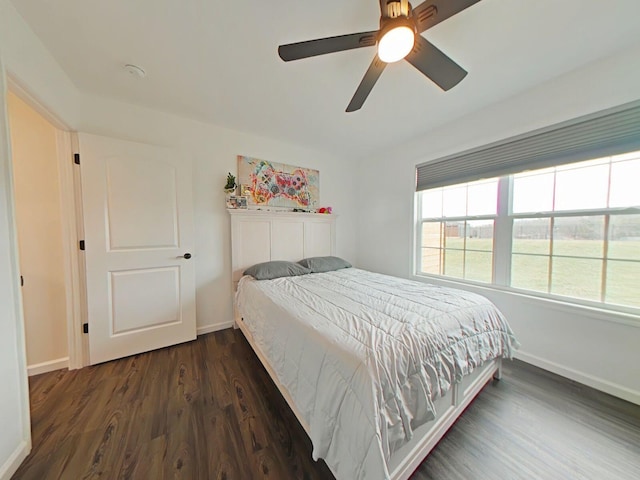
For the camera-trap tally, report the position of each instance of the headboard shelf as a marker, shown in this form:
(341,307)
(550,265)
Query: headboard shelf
(278,213)
(261,236)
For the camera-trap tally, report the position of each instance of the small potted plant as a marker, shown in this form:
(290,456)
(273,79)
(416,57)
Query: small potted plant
(229,191)
(230,186)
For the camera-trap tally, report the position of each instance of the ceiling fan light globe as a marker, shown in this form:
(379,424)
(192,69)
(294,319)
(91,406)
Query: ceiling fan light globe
(396,44)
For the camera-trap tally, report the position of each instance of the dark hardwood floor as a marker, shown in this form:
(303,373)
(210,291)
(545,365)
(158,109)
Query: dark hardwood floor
(208,410)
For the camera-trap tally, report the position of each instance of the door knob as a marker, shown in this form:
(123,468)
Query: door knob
(187,256)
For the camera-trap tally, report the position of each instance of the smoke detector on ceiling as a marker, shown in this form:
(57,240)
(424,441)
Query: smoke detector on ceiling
(135,70)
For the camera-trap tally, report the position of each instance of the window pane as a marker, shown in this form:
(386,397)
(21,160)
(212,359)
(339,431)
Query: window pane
(454,201)
(532,235)
(453,263)
(431,234)
(623,283)
(480,235)
(533,193)
(624,184)
(530,272)
(432,203)
(624,237)
(454,233)
(579,236)
(576,277)
(582,188)
(483,198)
(431,260)
(479,266)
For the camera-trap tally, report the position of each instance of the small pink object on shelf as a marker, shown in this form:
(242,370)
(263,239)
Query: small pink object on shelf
(324,210)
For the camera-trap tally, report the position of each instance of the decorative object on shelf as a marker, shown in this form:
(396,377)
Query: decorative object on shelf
(277,185)
(230,186)
(230,190)
(236,201)
(326,210)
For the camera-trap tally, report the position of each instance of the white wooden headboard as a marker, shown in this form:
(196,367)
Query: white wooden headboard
(261,236)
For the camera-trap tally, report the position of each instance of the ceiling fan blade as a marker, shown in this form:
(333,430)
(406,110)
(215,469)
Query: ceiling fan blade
(432,12)
(368,81)
(427,58)
(311,48)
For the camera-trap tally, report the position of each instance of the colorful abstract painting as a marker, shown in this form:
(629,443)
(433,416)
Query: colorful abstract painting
(278,185)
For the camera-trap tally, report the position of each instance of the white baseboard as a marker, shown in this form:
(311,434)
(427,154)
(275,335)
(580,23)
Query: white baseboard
(214,327)
(581,377)
(49,366)
(15,459)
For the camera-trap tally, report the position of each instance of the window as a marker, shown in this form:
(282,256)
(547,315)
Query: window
(457,230)
(567,231)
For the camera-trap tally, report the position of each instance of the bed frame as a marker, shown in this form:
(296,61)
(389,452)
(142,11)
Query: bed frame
(259,236)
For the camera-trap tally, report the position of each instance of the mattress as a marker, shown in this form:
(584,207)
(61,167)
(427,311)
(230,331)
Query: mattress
(363,355)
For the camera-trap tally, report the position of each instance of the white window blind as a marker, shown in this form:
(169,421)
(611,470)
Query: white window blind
(609,132)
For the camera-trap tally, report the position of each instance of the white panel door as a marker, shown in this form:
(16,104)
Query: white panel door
(138,218)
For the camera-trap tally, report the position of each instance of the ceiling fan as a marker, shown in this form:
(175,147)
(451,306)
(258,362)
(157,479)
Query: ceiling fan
(398,38)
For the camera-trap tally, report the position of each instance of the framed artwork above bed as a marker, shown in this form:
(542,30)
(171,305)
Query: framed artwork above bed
(278,186)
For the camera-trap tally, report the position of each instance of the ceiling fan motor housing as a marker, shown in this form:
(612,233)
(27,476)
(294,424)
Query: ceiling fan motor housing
(387,24)
(397,8)
(399,14)
(399,18)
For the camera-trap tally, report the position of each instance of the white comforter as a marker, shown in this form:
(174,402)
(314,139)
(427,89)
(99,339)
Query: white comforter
(363,355)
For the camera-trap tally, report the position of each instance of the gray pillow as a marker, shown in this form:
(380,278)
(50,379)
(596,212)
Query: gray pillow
(324,264)
(276,269)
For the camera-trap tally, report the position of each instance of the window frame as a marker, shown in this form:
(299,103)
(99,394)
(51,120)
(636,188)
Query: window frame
(446,220)
(503,242)
(457,218)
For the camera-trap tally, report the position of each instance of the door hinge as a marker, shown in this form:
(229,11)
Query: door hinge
(76,158)
(82,245)
(21,281)
(85,328)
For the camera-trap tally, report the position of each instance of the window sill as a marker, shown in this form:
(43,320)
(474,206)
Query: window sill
(571,307)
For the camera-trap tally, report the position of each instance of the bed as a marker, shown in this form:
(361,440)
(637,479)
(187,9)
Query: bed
(375,368)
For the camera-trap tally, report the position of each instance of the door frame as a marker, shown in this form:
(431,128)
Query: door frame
(72,226)
(9,465)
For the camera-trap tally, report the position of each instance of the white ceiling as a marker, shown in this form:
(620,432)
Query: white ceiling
(217,60)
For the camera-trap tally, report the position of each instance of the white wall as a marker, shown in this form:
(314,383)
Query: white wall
(212,149)
(591,347)
(37,198)
(26,58)
(15,439)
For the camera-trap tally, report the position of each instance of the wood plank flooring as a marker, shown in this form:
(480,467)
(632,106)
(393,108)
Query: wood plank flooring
(208,410)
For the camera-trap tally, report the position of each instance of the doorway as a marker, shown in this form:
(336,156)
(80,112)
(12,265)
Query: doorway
(43,217)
